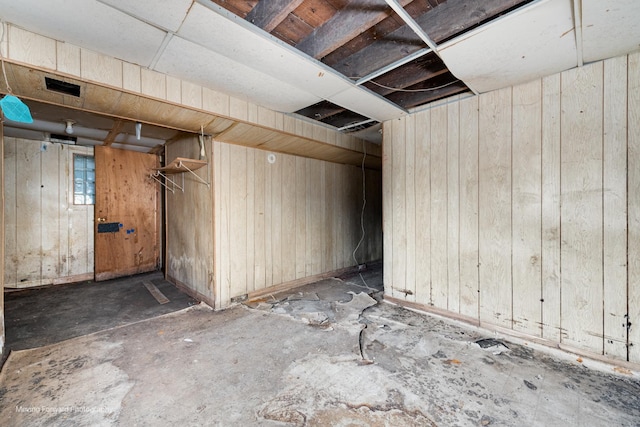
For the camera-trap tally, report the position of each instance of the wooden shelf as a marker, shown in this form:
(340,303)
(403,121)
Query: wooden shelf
(182,164)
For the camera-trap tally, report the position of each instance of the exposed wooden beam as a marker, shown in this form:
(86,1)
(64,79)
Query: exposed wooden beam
(268,14)
(442,22)
(114,132)
(357,17)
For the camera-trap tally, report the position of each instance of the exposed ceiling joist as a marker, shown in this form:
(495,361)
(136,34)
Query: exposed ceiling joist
(354,19)
(269,14)
(113,133)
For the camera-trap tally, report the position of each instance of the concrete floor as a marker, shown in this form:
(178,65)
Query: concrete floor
(38,317)
(328,354)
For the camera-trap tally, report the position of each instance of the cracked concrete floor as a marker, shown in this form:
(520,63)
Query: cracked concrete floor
(327,354)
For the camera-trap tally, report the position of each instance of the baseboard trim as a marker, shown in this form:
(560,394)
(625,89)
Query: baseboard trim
(191,292)
(286,286)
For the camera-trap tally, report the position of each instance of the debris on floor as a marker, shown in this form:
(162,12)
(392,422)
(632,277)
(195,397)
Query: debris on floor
(325,354)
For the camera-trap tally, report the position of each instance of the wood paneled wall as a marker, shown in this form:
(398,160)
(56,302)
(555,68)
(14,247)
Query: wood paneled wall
(189,223)
(48,239)
(520,208)
(288,220)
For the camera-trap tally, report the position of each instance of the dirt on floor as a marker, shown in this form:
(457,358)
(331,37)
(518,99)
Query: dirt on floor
(328,354)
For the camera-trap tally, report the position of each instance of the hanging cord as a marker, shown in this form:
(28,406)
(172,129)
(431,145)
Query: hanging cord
(4,71)
(364,204)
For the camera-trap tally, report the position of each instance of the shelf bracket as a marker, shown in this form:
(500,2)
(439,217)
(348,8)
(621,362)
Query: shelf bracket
(182,165)
(174,184)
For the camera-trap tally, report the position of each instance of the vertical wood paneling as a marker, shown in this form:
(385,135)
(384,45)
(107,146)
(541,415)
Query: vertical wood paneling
(439,226)
(338,220)
(281,220)
(259,183)
(237,183)
(100,68)
(250,221)
(551,208)
(50,164)
(633,200)
(495,207)
(32,48)
(469,207)
(301,217)
(29,208)
(276,220)
(410,206)
(131,79)
(68,58)
(10,212)
(64,198)
(327,217)
(174,89)
(389,140)
(398,282)
(288,217)
(192,241)
(222,259)
(615,207)
(153,84)
(215,101)
(581,207)
(453,207)
(191,94)
(560,271)
(57,244)
(526,207)
(423,207)
(268,221)
(217,215)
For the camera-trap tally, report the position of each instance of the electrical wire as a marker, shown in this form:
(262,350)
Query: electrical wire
(4,71)
(413,90)
(364,205)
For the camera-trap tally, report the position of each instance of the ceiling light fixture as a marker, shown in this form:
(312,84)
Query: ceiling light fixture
(69,128)
(138,130)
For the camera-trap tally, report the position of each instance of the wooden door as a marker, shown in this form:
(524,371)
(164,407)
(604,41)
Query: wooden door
(126,213)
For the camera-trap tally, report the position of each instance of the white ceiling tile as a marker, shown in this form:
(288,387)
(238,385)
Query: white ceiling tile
(167,14)
(218,72)
(239,42)
(247,45)
(609,28)
(532,42)
(368,104)
(110,31)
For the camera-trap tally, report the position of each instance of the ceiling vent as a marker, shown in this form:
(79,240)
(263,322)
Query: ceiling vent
(62,87)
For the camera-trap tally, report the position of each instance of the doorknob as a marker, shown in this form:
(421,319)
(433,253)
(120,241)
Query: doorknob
(101,219)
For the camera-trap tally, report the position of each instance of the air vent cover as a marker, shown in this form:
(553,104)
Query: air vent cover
(62,87)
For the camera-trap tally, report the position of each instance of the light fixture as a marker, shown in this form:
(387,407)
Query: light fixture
(69,128)
(138,130)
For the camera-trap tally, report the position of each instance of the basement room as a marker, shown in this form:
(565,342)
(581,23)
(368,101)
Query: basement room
(320,212)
